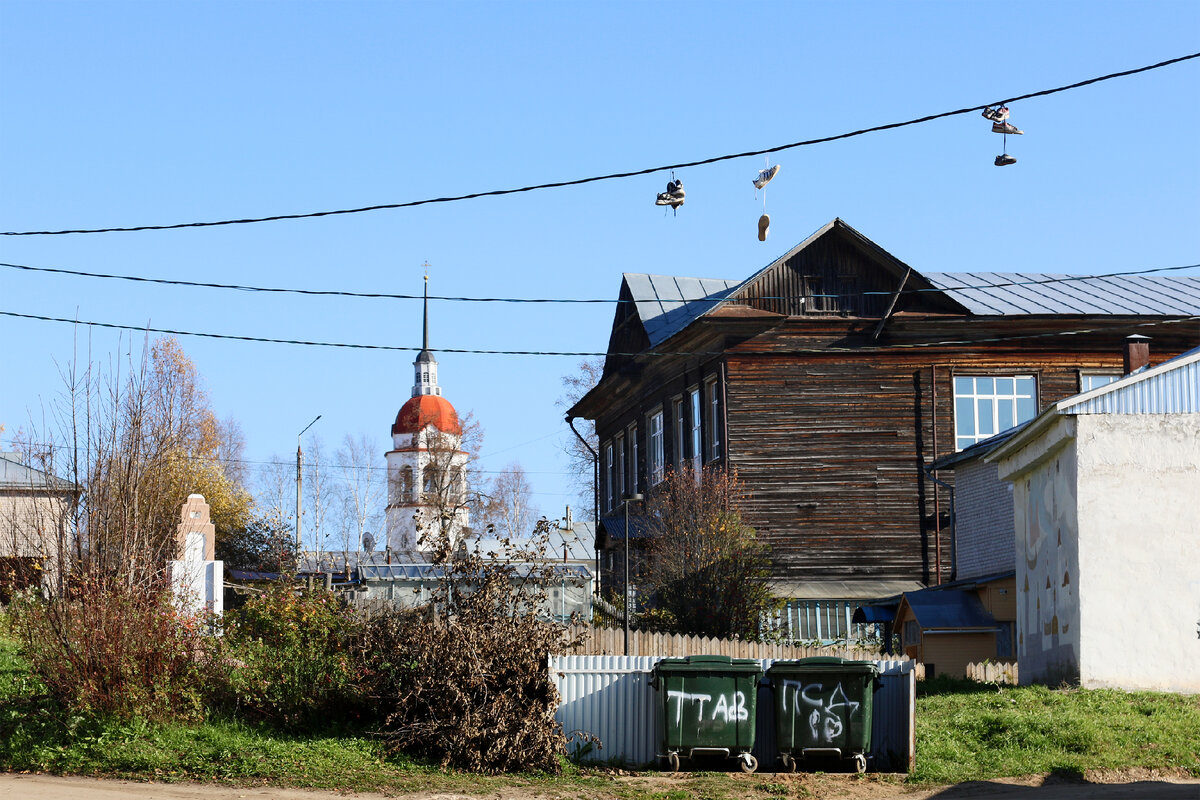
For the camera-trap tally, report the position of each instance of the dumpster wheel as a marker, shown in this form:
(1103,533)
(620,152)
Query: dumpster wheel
(748,763)
(860,763)
(673,761)
(789,763)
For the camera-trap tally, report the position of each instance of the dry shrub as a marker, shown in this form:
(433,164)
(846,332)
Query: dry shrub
(108,648)
(469,671)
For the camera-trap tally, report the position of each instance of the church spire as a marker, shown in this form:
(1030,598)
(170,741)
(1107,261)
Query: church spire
(425,365)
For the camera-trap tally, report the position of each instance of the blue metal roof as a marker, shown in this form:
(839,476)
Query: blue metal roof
(939,608)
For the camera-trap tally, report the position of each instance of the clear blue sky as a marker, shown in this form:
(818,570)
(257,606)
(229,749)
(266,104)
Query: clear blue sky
(118,114)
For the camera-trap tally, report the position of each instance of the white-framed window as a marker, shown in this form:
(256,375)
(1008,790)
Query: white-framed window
(633,459)
(609,501)
(677,429)
(654,448)
(620,445)
(714,419)
(985,405)
(697,453)
(1094,380)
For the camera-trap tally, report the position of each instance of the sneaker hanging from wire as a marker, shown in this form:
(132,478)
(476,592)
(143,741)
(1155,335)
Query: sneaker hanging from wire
(1006,128)
(764,222)
(1004,159)
(673,196)
(998,114)
(765,176)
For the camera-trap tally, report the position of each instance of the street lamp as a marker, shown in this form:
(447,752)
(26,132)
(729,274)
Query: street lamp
(298,472)
(629,498)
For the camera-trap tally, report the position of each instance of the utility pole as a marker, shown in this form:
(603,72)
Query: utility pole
(299,472)
(629,498)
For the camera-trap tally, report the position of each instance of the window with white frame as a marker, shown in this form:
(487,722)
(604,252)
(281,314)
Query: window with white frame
(620,445)
(654,452)
(608,475)
(1094,380)
(633,459)
(714,420)
(697,441)
(987,405)
(677,430)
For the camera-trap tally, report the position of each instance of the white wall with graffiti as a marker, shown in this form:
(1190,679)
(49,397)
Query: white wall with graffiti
(1108,532)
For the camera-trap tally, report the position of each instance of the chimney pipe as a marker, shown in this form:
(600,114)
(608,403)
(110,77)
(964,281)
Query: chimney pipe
(1137,353)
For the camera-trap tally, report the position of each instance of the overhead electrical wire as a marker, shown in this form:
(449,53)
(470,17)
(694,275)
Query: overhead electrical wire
(614,175)
(584,353)
(545,300)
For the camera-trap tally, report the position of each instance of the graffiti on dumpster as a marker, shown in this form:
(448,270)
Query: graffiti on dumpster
(728,709)
(827,714)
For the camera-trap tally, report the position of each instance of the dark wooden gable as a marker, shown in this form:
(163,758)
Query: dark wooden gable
(628,334)
(839,272)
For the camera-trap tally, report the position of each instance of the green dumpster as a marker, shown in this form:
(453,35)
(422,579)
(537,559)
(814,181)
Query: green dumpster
(707,706)
(823,709)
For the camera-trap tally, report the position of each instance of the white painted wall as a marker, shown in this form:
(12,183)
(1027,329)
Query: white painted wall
(1139,553)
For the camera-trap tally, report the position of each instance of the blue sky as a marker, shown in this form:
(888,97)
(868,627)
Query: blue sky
(119,114)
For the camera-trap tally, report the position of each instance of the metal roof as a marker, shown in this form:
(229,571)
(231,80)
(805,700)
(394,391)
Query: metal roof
(938,608)
(1014,293)
(1173,387)
(668,304)
(14,473)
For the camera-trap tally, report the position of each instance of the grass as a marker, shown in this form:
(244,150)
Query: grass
(970,731)
(965,731)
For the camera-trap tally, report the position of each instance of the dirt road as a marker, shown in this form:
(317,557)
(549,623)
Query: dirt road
(51,787)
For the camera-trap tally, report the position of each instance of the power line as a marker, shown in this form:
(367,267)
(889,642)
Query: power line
(615,175)
(552,300)
(582,353)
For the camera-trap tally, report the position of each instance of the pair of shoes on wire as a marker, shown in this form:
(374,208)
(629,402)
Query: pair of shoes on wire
(1000,124)
(998,114)
(673,196)
(765,176)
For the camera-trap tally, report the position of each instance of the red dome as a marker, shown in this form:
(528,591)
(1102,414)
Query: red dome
(427,409)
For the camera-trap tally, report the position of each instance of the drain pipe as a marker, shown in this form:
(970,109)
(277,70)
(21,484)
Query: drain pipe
(595,496)
(953,524)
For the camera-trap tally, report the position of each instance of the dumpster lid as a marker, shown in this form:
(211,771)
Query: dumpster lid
(709,664)
(824,664)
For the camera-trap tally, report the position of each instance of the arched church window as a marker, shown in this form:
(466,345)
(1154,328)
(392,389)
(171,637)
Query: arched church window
(406,484)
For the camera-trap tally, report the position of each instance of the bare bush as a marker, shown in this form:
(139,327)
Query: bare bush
(474,691)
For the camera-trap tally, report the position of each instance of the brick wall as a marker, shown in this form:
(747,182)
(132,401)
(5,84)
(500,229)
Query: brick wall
(983,507)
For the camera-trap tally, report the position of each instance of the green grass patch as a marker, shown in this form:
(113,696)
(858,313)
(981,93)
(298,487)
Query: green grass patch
(970,731)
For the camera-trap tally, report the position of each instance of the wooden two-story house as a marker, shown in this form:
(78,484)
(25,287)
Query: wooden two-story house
(832,379)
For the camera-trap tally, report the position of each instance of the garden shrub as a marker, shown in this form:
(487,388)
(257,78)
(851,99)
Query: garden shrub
(109,648)
(288,657)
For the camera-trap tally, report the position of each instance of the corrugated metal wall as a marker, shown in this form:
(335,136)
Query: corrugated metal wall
(1174,391)
(610,697)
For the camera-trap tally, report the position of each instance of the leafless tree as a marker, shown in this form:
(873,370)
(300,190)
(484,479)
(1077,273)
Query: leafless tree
(580,459)
(509,506)
(363,483)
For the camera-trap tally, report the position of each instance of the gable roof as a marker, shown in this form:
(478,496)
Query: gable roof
(14,474)
(666,304)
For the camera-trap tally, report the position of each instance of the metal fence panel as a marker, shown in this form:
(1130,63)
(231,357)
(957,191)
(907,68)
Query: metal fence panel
(610,697)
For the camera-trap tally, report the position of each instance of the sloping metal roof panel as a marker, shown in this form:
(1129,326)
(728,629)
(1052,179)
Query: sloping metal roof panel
(667,304)
(1011,293)
(936,608)
(1172,387)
